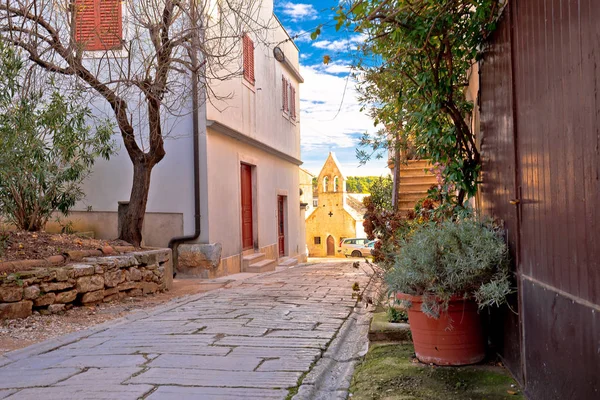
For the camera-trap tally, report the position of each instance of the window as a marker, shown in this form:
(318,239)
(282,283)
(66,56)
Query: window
(325,180)
(288,97)
(284,93)
(248,55)
(315,202)
(335,184)
(317,239)
(98,24)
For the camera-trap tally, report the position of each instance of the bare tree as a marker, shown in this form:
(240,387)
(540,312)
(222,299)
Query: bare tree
(139,60)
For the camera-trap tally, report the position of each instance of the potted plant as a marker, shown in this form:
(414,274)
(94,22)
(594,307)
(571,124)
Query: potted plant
(444,273)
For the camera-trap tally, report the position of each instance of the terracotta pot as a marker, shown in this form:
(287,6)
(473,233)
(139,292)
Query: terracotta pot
(455,338)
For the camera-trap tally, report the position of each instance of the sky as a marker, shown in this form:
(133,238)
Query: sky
(330,116)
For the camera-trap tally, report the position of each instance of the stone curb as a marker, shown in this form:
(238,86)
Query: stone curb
(331,376)
(51,344)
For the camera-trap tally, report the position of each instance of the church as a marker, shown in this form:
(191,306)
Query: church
(336,214)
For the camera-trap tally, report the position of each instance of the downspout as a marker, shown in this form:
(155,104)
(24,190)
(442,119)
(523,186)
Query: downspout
(176,241)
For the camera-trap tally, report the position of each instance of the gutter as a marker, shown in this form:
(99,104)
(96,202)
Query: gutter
(176,241)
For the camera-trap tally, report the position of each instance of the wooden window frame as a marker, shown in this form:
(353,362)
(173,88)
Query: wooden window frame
(317,240)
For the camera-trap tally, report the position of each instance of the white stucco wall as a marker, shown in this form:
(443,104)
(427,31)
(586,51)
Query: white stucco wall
(274,177)
(252,111)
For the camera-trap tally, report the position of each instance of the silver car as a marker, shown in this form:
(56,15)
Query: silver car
(355,247)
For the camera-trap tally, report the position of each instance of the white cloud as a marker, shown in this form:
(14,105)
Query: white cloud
(299,12)
(320,100)
(341,44)
(322,131)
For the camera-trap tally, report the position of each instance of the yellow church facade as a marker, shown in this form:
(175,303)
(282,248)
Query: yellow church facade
(336,216)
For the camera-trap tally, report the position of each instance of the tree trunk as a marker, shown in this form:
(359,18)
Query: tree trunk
(131,226)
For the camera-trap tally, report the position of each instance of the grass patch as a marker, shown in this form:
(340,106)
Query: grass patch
(388,372)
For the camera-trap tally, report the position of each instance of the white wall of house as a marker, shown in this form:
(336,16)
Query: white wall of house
(273,177)
(248,111)
(256,112)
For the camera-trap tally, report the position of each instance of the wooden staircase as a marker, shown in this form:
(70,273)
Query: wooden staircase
(257,263)
(415,180)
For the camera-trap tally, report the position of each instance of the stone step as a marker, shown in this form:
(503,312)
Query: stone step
(418,163)
(265,265)
(412,196)
(418,179)
(410,171)
(287,262)
(414,187)
(406,204)
(251,259)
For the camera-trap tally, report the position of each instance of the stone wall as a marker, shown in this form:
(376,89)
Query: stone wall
(93,280)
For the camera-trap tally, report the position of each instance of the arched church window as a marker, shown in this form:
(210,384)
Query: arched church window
(325,181)
(335,184)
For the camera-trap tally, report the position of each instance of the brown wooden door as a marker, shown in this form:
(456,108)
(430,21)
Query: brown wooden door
(330,246)
(281,225)
(247,234)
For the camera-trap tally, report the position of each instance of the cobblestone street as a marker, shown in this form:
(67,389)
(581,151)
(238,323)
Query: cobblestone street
(259,339)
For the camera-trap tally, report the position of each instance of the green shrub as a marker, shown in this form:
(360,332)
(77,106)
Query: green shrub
(467,258)
(47,147)
(395,315)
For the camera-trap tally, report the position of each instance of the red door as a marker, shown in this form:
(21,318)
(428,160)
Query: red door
(281,225)
(247,236)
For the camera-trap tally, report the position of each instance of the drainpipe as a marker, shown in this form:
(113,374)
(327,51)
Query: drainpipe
(176,241)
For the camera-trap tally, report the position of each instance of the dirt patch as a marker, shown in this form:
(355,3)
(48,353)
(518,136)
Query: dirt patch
(391,372)
(16,334)
(21,245)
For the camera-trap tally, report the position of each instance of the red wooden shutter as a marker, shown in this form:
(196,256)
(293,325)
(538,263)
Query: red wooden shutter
(248,47)
(293,102)
(284,86)
(98,24)
(111,24)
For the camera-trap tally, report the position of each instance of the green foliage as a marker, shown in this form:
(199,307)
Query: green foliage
(46,145)
(414,88)
(381,193)
(395,315)
(464,258)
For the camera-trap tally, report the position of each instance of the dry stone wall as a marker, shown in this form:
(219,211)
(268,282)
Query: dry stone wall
(93,280)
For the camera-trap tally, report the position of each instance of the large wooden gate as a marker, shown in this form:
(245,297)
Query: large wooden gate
(540,115)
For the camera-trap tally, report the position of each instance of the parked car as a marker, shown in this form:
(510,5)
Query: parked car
(355,247)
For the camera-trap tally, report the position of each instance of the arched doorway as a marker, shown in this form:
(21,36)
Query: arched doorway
(330,246)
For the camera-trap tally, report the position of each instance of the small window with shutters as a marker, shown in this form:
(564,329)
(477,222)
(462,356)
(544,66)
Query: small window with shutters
(248,55)
(98,24)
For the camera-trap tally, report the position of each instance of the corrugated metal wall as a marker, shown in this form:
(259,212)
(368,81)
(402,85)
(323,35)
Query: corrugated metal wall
(540,113)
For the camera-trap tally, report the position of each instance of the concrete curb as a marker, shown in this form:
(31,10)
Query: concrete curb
(331,376)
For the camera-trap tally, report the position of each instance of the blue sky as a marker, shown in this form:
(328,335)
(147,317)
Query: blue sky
(329,119)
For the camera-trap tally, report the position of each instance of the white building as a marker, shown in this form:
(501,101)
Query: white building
(249,157)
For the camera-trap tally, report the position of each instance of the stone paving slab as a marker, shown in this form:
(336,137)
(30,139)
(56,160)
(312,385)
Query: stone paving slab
(104,361)
(5,393)
(17,378)
(97,392)
(206,362)
(190,377)
(255,339)
(195,393)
